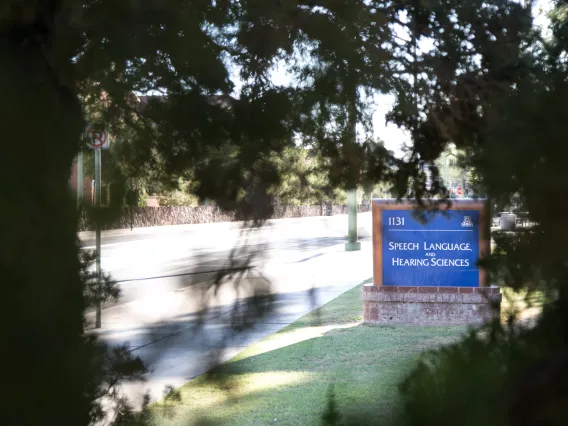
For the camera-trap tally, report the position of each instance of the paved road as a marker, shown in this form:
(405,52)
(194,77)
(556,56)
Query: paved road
(165,259)
(180,326)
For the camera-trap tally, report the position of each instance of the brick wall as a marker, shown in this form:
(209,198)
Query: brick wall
(141,217)
(429,305)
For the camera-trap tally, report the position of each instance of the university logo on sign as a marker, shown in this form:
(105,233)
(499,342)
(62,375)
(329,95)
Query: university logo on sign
(467,222)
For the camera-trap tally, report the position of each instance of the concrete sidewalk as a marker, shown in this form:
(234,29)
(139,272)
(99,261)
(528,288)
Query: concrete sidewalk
(178,339)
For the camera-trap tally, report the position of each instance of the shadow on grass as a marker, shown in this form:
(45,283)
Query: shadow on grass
(189,344)
(215,329)
(287,376)
(212,322)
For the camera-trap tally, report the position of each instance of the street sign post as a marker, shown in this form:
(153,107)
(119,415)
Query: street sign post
(97,141)
(98,233)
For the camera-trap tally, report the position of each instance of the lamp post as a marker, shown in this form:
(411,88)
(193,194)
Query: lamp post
(464,173)
(352,244)
(446,167)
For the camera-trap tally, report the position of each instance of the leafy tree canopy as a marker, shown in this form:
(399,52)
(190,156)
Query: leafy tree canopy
(69,62)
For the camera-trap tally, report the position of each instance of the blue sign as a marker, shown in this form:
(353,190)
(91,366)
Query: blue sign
(443,251)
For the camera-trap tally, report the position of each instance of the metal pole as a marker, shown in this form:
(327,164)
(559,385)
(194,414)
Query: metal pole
(98,234)
(79,179)
(352,244)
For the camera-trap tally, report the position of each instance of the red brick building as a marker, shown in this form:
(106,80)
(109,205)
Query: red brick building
(87,184)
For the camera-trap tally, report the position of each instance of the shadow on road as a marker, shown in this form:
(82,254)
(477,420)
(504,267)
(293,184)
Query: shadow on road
(230,304)
(216,267)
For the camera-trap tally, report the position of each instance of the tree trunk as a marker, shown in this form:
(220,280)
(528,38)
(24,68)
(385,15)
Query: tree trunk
(45,379)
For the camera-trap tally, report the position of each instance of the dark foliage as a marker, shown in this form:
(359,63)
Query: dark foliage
(511,128)
(488,85)
(96,289)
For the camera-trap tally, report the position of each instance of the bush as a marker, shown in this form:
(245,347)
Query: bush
(178,199)
(499,375)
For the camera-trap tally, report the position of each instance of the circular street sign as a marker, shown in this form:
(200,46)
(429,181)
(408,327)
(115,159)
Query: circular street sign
(459,191)
(99,139)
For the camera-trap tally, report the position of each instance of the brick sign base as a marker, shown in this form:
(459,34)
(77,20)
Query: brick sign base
(429,305)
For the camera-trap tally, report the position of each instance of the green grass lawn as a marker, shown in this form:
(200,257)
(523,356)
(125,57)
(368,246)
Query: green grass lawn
(284,379)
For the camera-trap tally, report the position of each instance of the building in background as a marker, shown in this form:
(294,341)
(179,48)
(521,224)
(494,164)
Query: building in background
(88,193)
